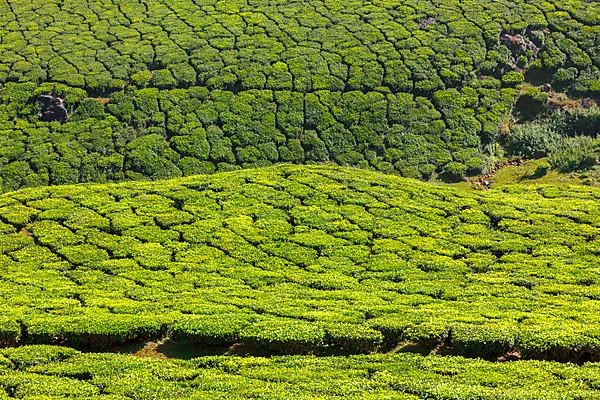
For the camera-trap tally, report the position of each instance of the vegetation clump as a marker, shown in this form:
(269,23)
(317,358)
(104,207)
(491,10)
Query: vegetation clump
(569,138)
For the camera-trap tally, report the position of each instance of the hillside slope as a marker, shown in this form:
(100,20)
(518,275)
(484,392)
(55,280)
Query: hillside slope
(173,88)
(298,259)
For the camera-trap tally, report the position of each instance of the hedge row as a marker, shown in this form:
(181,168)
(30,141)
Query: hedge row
(48,372)
(152,133)
(303,258)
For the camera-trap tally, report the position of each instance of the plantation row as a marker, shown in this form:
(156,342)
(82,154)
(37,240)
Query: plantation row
(189,87)
(153,133)
(47,372)
(299,259)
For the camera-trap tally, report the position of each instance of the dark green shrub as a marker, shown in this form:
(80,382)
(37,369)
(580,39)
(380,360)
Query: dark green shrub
(142,78)
(89,108)
(193,166)
(564,78)
(163,79)
(575,154)
(532,140)
(512,79)
(531,101)
(150,155)
(580,121)
(194,144)
(454,171)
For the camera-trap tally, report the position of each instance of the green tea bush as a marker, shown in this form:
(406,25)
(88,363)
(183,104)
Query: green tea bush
(210,330)
(284,335)
(93,331)
(63,373)
(10,331)
(531,101)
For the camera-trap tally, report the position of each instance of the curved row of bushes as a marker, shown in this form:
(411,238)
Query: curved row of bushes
(44,372)
(306,46)
(155,134)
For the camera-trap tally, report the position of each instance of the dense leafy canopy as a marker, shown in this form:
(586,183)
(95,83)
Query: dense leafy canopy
(294,259)
(412,87)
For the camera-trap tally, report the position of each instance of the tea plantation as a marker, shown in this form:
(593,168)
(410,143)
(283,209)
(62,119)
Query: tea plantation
(174,88)
(41,372)
(304,259)
(245,178)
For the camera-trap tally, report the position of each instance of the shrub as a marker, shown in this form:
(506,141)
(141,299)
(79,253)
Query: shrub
(194,144)
(531,101)
(10,331)
(209,330)
(353,338)
(575,154)
(453,171)
(284,335)
(142,78)
(532,140)
(564,78)
(163,79)
(95,331)
(512,79)
(489,339)
(149,155)
(580,121)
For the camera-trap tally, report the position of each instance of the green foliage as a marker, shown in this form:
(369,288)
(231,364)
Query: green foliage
(293,259)
(43,372)
(215,88)
(209,330)
(151,157)
(284,335)
(531,101)
(301,259)
(513,78)
(532,140)
(580,121)
(575,154)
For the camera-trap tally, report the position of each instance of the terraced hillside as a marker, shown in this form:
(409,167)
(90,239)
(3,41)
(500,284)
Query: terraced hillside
(158,89)
(40,372)
(296,259)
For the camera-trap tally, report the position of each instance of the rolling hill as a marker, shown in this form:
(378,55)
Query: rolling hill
(297,259)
